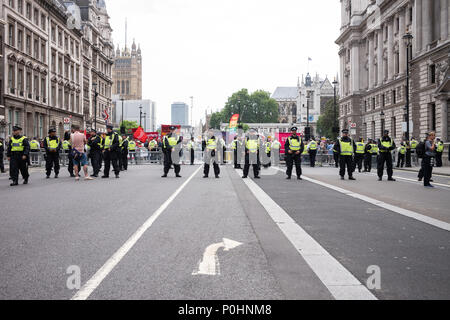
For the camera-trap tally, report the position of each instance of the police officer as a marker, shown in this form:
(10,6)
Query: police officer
(312,150)
(251,155)
(132,149)
(385,146)
(237,145)
(359,154)
(67,148)
(368,152)
(210,146)
(191,147)
(52,146)
(345,146)
(439,152)
(123,154)
(95,144)
(2,150)
(401,155)
(18,156)
(268,151)
(294,147)
(110,148)
(171,144)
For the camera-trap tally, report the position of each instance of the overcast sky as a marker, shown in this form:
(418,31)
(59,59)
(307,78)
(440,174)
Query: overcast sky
(211,48)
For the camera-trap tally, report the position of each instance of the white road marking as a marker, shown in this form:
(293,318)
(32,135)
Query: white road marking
(405,212)
(109,265)
(210,265)
(340,282)
(411,180)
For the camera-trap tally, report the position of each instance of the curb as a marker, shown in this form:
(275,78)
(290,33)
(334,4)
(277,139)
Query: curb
(434,172)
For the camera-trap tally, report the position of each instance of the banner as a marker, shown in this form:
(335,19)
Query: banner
(234,121)
(140,135)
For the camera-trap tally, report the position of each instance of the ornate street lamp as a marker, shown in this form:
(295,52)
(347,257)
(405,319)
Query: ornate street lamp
(95,105)
(408,42)
(335,127)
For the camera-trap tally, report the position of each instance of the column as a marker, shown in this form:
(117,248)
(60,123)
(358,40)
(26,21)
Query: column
(444,120)
(380,57)
(417,22)
(355,66)
(427,19)
(390,47)
(371,66)
(444,20)
(401,42)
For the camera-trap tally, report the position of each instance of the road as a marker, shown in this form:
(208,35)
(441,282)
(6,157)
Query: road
(143,237)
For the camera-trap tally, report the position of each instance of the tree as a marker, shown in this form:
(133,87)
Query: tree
(327,121)
(216,120)
(129,125)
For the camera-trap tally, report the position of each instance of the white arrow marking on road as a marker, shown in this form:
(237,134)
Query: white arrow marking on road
(210,264)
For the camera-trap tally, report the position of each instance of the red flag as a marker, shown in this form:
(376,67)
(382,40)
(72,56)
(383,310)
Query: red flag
(140,135)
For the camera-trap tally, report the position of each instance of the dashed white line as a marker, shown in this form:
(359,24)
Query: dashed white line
(109,265)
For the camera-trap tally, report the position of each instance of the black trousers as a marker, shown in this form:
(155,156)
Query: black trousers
(368,162)
(168,163)
(237,164)
(52,161)
(439,159)
(290,160)
(247,166)
(358,161)
(192,155)
(18,164)
(96,161)
(427,170)
(336,159)
(345,161)
(70,164)
(269,163)
(216,169)
(312,158)
(123,160)
(110,157)
(385,157)
(401,161)
(2,165)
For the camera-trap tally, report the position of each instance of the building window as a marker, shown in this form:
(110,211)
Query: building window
(11,3)
(17,118)
(43,24)
(394,96)
(382,126)
(397,63)
(373,129)
(28,84)
(20,6)
(53,34)
(11,80)
(394,127)
(383,100)
(373,103)
(118,87)
(60,38)
(128,86)
(41,126)
(36,49)
(28,44)
(433,117)
(20,40)
(43,95)
(432,73)
(36,17)
(28,11)
(20,82)
(11,35)
(36,87)
(410,15)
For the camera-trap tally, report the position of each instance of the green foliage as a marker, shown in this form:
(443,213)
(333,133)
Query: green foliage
(129,125)
(327,121)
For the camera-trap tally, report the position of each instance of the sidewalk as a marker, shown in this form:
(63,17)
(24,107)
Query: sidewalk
(444,171)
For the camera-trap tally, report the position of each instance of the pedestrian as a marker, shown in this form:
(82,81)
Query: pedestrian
(268,151)
(439,152)
(368,153)
(251,154)
(401,152)
(385,146)
(209,147)
(110,148)
(123,153)
(429,159)
(359,155)
(18,156)
(132,149)
(171,148)
(191,148)
(312,150)
(95,144)
(52,146)
(78,142)
(294,147)
(2,152)
(345,147)
(67,149)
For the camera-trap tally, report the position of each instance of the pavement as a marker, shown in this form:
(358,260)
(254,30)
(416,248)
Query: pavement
(143,237)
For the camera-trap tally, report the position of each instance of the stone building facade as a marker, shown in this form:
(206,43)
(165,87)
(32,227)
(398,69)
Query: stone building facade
(127,73)
(45,65)
(2,50)
(373,61)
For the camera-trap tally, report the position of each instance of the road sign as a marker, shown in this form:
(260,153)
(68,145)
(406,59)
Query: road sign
(353,132)
(353,125)
(66,120)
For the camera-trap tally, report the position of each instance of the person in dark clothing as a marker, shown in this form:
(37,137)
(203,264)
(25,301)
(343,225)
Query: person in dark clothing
(429,159)
(171,145)
(385,146)
(439,152)
(237,145)
(18,156)
(123,160)
(110,148)
(67,147)
(252,155)
(359,155)
(2,150)
(52,146)
(345,147)
(209,147)
(95,153)
(191,147)
(368,156)
(401,155)
(294,148)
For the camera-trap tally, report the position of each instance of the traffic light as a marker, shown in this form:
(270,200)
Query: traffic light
(307,133)
(122,130)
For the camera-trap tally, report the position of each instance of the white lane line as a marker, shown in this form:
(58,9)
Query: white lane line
(109,265)
(411,180)
(405,212)
(339,281)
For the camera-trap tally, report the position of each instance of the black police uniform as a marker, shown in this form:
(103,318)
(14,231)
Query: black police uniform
(208,156)
(237,157)
(95,153)
(167,150)
(2,150)
(52,158)
(294,158)
(69,154)
(123,160)
(345,160)
(110,156)
(16,163)
(368,158)
(385,157)
(256,166)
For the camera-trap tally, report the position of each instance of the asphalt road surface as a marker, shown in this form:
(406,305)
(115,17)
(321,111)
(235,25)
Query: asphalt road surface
(143,237)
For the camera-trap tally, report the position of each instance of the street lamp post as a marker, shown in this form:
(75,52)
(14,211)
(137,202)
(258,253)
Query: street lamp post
(335,125)
(122,126)
(408,41)
(95,105)
(145,121)
(140,115)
